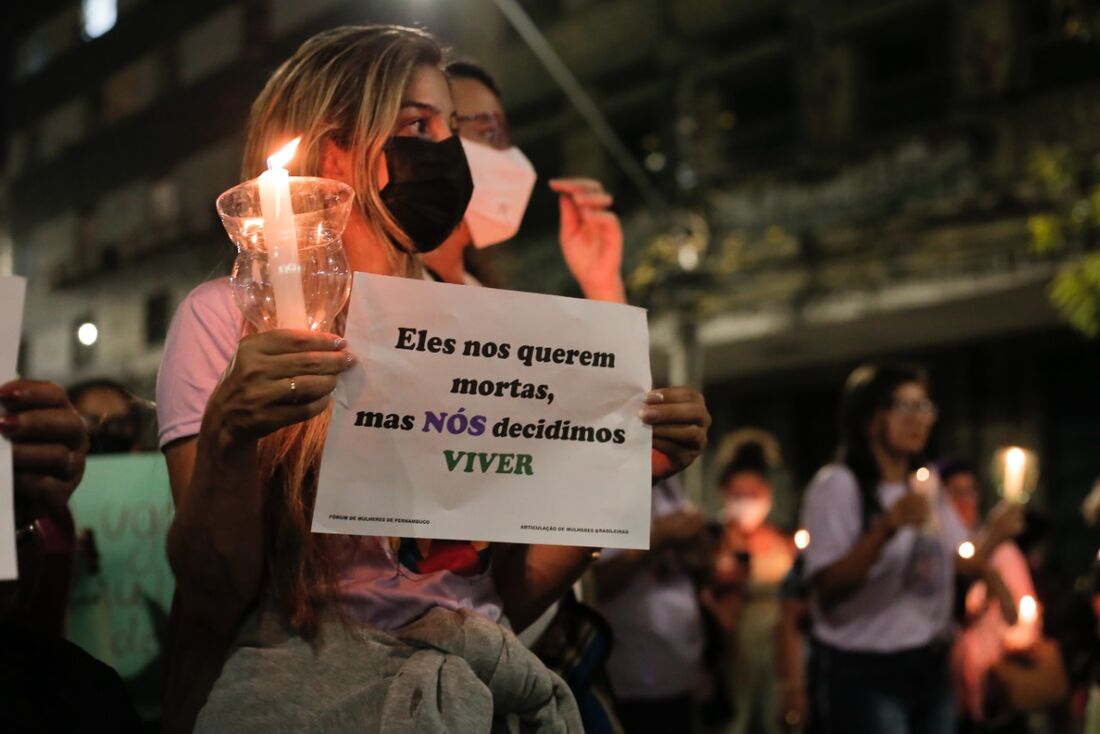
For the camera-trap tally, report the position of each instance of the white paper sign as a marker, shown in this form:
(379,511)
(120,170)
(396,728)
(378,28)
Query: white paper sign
(12,290)
(490,415)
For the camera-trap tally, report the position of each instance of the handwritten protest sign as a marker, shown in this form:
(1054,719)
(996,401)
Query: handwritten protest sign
(119,604)
(479,414)
(12,290)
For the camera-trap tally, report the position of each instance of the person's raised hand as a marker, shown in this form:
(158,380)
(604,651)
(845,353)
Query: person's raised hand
(680,421)
(591,238)
(277,378)
(49,445)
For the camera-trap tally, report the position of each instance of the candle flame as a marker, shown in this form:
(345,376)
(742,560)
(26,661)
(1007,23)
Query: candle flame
(282,156)
(1029,608)
(966,549)
(802,539)
(1015,458)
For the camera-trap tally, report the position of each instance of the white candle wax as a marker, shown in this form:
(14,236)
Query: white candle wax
(284,267)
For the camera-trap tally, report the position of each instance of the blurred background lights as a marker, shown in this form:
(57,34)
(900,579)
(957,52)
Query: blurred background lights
(87,333)
(98,16)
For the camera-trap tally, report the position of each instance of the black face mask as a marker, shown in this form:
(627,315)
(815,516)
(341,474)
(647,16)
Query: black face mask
(429,188)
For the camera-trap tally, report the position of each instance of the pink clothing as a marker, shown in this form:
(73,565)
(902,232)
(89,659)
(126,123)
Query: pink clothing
(980,646)
(375,587)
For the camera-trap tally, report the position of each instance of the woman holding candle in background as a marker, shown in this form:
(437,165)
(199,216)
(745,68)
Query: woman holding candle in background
(752,559)
(881,565)
(243,420)
(991,606)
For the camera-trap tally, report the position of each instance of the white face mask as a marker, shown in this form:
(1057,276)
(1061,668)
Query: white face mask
(503,181)
(748,512)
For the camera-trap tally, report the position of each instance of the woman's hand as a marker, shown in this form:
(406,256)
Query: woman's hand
(277,378)
(912,509)
(591,238)
(680,421)
(49,445)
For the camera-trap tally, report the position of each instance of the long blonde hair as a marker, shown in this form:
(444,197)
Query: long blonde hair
(343,85)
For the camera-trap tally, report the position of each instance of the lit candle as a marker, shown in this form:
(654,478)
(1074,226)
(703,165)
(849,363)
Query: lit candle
(1015,471)
(927,484)
(1025,632)
(282,246)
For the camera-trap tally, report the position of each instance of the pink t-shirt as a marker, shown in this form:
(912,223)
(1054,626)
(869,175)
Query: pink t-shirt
(376,587)
(980,646)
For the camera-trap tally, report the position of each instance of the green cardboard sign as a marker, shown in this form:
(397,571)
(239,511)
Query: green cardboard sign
(119,614)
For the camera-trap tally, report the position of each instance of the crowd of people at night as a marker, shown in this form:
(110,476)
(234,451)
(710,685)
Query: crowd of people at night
(903,600)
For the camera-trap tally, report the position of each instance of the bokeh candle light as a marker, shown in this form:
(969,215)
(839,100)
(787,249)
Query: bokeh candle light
(1015,465)
(1025,632)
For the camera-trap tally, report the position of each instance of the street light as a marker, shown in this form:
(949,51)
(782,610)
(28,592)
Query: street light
(87,333)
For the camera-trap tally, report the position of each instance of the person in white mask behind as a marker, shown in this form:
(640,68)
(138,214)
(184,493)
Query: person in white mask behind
(591,235)
(752,559)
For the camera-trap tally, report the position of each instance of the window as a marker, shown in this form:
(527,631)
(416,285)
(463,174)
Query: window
(156,318)
(97,17)
(85,334)
(131,89)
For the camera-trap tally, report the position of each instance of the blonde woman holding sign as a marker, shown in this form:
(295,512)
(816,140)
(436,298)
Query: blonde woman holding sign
(316,628)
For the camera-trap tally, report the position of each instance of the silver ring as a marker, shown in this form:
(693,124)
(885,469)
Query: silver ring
(293,387)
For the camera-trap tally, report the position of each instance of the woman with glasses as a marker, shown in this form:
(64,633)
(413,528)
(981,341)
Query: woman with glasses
(881,565)
(590,233)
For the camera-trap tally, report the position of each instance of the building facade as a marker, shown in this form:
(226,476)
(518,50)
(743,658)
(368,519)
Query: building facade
(863,171)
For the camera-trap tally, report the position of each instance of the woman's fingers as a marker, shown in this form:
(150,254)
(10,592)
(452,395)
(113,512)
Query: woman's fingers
(49,442)
(48,459)
(286,341)
(302,389)
(310,363)
(689,437)
(50,425)
(285,415)
(575,186)
(594,200)
(20,395)
(676,413)
(680,421)
(40,494)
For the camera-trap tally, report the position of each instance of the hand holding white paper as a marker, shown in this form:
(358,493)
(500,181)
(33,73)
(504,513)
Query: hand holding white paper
(482,414)
(12,290)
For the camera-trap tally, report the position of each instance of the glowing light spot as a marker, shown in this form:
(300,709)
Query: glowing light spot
(87,334)
(1029,608)
(966,549)
(99,16)
(802,539)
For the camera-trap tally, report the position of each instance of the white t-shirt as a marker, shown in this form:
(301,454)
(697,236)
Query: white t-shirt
(656,620)
(906,599)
